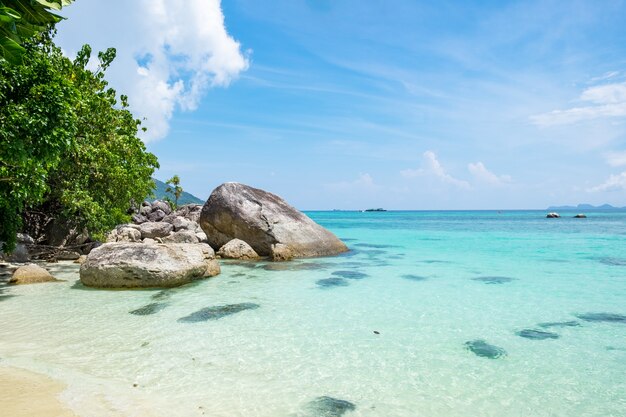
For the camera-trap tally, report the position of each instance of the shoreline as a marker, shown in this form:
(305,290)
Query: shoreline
(26,394)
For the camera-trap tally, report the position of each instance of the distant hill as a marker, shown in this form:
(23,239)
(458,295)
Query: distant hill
(185,198)
(586,207)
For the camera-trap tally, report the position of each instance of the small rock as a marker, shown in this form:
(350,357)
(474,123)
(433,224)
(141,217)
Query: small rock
(149,241)
(161,205)
(128,234)
(553,215)
(31,274)
(67,255)
(201,237)
(80,259)
(237,249)
(155,229)
(580,216)
(139,218)
(280,252)
(156,216)
(183,236)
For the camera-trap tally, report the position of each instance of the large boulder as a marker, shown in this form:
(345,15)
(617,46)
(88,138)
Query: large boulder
(237,249)
(31,274)
(263,219)
(128,265)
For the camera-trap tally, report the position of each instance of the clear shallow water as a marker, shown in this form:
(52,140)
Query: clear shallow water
(429,288)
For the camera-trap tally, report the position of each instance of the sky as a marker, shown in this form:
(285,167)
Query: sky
(351,104)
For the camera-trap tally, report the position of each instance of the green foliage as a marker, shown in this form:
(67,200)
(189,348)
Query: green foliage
(38,124)
(68,149)
(174,189)
(21,19)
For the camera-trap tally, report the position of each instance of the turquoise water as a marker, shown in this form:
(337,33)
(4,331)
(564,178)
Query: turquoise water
(426,282)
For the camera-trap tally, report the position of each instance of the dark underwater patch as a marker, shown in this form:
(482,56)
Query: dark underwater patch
(332,282)
(536,334)
(329,407)
(612,261)
(485,350)
(493,279)
(162,295)
(217,312)
(547,325)
(434,261)
(350,274)
(603,317)
(374,246)
(348,239)
(148,309)
(297,266)
(413,277)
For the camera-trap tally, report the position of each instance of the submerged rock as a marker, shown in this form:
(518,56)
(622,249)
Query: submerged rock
(129,265)
(329,407)
(332,282)
(483,349)
(536,334)
(547,325)
(350,274)
(237,249)
(613,261)
(31,274)
(263,219)
(603,317)
(148,309)
(494,280)
(217,312)
(413,277)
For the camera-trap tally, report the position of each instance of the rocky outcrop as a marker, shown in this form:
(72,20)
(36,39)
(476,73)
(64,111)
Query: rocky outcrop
(263,219)
(237,249)
(553,215)
(580,216)
(30,274)
(130,265)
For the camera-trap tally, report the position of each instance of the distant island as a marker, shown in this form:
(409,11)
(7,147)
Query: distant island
(375,209)
(185,198)
(586,207)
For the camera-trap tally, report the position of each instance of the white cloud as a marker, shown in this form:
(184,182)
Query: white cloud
(613,183)
(616,159)
(169,52)
(481,173)
(604,101)
(432,166)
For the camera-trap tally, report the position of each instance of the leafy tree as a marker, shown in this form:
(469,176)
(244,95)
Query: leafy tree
(174,188)
(38,124)
(69,152)
(21,19)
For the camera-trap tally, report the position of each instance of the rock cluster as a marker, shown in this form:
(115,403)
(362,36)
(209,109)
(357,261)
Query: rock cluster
(156,222)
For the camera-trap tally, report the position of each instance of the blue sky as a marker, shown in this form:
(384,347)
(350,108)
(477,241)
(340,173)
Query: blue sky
(354,104)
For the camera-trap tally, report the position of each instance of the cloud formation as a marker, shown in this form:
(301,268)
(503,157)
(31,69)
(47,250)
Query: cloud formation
(613,183)
(616,159)
(482,174)
(431,166)
(169,52)
(603,101)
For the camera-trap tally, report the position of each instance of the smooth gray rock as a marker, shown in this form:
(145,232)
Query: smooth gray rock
(129,265)
(127,234)
(161,205)
(31,274)
(156,216)
(183,236)
(67,255)
(139,218)
(181,223)
(155,229)
(201,237)
(263,219)
(237,249)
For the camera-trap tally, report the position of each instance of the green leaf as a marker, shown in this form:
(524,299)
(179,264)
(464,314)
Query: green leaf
(11,50)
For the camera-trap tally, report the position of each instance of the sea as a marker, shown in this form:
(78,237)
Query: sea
(430,313)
